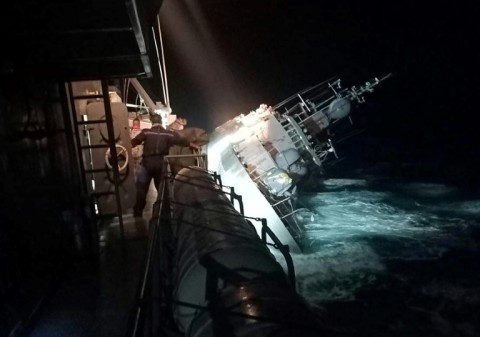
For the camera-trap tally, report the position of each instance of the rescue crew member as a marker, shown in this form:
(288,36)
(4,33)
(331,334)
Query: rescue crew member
(137,151)
(156,144)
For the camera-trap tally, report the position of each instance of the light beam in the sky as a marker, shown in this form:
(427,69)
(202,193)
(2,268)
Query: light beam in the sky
(194,48)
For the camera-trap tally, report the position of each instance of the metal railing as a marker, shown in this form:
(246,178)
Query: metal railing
(160,222)
(154,291)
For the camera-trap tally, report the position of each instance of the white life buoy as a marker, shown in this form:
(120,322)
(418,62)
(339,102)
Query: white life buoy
(122,154)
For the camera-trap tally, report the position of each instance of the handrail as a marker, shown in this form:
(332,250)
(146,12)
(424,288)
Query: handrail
(137,320)
(284,249)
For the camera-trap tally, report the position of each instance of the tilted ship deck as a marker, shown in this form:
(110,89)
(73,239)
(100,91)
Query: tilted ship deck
(199,240)
(265,153)
(211,266)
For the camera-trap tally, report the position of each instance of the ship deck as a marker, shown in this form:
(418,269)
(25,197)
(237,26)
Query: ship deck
(96,298)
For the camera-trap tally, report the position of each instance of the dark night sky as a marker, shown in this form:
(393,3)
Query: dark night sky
(272,49)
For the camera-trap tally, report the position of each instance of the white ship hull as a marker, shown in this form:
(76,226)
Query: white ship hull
(263,155)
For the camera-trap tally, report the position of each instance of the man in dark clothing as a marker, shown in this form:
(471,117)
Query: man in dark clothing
(156,144)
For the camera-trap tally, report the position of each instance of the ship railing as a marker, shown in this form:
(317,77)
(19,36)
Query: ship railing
(266,231)
(286,211)
(305,140)
(308,109)
(284,249)
(154,295)
(200,158)
(282,207)
(235,197)
(311,99)
(315,101)
(202,162)
(159,229)
(291,213)
(307,90)
(138,318)
(281,201)
(314,98)
(355,93)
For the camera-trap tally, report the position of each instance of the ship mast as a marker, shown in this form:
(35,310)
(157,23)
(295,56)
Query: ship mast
(161,108)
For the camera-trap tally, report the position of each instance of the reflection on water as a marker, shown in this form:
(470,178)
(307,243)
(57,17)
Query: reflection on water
(403,257)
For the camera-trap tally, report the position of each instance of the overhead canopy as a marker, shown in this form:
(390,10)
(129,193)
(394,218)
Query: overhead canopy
(80,39)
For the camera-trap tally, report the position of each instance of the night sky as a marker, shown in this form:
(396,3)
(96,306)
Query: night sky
(227,57)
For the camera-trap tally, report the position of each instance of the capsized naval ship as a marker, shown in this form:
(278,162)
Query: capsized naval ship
(267,152)
(217,226)
(209,270)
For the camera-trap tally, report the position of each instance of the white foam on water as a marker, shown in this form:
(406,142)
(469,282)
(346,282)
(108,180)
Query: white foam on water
(356,231)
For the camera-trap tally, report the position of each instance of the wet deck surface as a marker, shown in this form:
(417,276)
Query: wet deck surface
(96,299)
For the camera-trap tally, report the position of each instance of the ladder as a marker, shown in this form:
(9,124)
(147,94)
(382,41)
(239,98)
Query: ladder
(84,149)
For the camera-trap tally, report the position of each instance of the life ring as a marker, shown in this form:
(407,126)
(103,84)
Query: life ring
(122,156)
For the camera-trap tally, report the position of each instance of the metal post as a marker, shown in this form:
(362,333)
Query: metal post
(113,153)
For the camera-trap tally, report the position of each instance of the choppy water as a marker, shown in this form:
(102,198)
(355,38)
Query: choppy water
(393,258)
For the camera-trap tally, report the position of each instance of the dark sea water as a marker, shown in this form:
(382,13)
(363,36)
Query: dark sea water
(392,257)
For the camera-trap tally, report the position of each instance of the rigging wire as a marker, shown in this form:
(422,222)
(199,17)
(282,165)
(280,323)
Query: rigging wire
(161,62)
(167,96)
(160,68)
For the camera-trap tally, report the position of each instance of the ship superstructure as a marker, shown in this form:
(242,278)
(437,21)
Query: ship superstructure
(265,153)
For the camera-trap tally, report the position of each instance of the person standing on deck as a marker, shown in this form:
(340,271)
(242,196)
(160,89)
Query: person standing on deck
(137,151)
(156,144)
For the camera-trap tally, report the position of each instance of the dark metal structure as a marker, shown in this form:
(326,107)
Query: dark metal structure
(46,211)
(79,39)
(45,216)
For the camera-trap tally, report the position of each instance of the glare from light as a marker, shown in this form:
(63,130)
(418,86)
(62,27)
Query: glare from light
(192,40)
